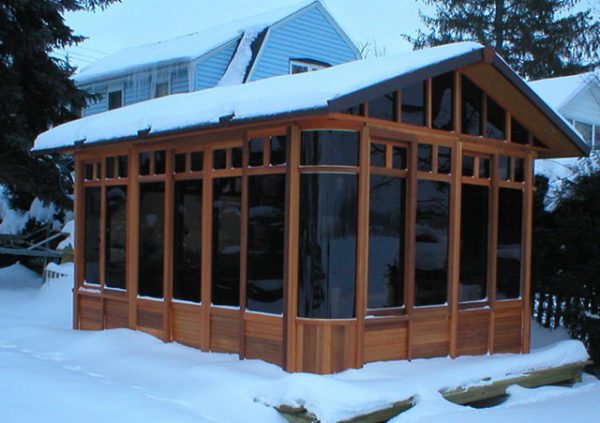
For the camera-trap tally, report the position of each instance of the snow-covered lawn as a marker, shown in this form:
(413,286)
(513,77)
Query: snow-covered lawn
(50,373)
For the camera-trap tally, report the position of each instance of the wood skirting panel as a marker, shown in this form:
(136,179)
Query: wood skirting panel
(326,346)
(264,338)
(430,337)
(473,327)
(150,317)
(507,330)
(186,320)
(385,340)
(225,330)
(90,312)
(116,314)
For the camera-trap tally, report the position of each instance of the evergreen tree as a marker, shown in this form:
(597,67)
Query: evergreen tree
(36,92)
(538,38)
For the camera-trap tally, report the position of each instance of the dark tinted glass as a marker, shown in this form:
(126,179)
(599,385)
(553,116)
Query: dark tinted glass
(160,161)
(474,242)
(413,104)
(386,242)
(187,240)
(383,107)
(266,225)
(444,160)
(519,134)
(519,169)
(510,214)
(236,157)
(88,172)
(278,150)
(116,239)
(227,195)
(179,164)
(424,157)
(468,165)
(144,163)
(355,110)
(255,149)
(92,235)
(399,158)
(442,101)
(151,241)
(495,126)
(484,168)
(504,168)
(472,107)
(110,167)
(122,166)
(327,254)
(337,148)
(99,170)
(197,161)
(219,159)
(431,249)
(377,155)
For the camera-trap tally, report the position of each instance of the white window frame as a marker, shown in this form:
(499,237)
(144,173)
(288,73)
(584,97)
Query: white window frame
(310,66)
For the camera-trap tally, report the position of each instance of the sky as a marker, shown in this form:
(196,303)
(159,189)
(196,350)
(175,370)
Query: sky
(135,22)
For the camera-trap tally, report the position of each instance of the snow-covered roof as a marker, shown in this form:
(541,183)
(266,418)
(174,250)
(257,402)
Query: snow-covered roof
(183,48)
(558,91)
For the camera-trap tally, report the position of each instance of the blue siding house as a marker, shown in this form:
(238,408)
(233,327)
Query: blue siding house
(299,39)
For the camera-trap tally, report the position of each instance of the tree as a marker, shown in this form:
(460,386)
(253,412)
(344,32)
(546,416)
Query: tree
(538,38)
(36,92)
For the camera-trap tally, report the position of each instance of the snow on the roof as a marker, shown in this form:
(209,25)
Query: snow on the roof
(557,91)
(183,48)
(260,99)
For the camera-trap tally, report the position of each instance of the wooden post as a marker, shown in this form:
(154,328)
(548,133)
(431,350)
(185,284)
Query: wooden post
(207,212)
(133,189)
(244,246)
(493,248)
(79,247)
(410,241)
(168,247)
(527,246)
(454,245)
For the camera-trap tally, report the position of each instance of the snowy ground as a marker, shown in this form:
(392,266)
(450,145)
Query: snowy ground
(49,373)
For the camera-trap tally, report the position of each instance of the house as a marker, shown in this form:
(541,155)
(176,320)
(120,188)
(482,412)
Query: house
(376,210)
(289,40)
(577,99)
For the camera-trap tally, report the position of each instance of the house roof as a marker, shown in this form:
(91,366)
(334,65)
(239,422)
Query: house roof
(557,92)
(326,91)
(186,47)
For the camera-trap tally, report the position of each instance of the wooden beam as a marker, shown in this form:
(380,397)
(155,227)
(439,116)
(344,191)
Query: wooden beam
(133,190)
(207,211)
(454,245)
(168,247)
(244,242)
(527,247)
(410,239)
(79,252)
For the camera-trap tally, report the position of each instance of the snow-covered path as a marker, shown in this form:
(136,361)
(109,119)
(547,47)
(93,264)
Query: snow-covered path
(50,373)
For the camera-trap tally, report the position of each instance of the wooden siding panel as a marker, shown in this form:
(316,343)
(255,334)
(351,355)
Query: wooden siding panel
(472,334)
(385,341)
(507,330)
(326,346)
(187,324)
(264,338)
(116,314)
(90,313)
(309,36)
(430,337)
(224,331)
(150,318)
(209,71)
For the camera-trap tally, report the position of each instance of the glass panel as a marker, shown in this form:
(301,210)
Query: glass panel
(468,165)
(399,158)
(472,107)
(110,167)
(386,242)
(278,150)
(383,107)
(519,134)
(236,157)
(327,254)
(413,104)
(92,235)
(150,249)
(585,129)
(442,101)
(219,159)
(484,168)
(88,171)
(180,163)
(510,215)
(431,249)
(444,160)
(197,161)
(424,158)
(227,197)
(474,242)
(98,170)
(160,161)
(187,240)
(596,136)
(504,168)
(144,163)
(495,126)
(266,226)
(336,148)
(519,169)
(377,155)
(116,236)
(255,149)
(355,110)
(123,162)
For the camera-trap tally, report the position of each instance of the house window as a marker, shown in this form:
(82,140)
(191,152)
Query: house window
(161,89)
(299,66)
(115,99)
